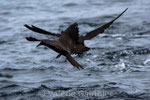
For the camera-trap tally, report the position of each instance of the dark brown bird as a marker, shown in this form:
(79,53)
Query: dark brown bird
(63,46)
(73,32)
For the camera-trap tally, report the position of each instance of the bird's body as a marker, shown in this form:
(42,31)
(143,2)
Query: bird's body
(63,46)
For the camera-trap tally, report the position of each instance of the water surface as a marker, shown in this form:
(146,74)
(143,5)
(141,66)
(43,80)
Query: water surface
(116,68)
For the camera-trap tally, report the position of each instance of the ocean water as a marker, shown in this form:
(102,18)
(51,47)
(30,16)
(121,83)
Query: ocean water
(116,68)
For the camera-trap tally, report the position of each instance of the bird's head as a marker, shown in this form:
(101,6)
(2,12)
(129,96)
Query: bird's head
(41,43)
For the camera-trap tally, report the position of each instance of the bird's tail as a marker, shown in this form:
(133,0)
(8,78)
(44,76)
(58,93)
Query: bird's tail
(32,39)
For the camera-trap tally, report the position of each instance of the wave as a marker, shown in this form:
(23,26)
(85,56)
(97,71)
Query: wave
(9,86)
(44,93)
(31,69)
(2,42)
(128,52)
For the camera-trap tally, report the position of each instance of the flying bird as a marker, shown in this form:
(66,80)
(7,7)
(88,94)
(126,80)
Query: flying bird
(63,46)
(69,41)
(73,32)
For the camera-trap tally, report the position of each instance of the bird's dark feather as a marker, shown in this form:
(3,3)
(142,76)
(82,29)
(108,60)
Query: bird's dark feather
(100,29)
(73,31)
(39,30)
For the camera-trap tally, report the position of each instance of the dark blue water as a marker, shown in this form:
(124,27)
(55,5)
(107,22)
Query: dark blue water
(116,68)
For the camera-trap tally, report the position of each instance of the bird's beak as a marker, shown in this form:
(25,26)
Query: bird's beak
(38,45)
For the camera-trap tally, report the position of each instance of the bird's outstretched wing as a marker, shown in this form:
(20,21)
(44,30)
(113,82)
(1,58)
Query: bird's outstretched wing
(39,30)
(73,62)
(72,31)
(100,29)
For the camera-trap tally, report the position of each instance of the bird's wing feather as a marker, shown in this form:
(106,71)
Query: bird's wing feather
(72,31)
(73,62)
(39,30)
(100,29)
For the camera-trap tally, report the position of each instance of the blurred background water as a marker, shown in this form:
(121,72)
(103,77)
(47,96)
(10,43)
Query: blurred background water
(116,68)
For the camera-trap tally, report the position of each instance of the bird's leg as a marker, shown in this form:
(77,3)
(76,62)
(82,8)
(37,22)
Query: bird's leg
(58,55)
(81,55)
